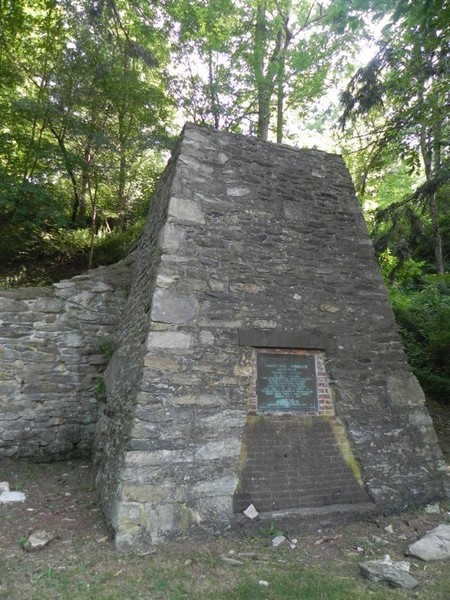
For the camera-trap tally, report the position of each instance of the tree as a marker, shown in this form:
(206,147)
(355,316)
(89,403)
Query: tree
(84,108)
(261,58)
(404,91)
(209,76)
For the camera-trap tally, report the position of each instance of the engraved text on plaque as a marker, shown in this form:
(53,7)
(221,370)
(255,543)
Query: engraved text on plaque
(286,382)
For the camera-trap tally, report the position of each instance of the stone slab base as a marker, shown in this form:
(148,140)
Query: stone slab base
(306,520)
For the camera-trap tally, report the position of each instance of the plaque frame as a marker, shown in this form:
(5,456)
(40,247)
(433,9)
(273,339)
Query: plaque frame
(286,382)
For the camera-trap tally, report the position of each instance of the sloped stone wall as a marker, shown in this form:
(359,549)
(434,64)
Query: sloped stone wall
(51,362)
(127,376)
(244,235)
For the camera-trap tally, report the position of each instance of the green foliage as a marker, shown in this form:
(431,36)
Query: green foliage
(84,122)
(400,98)
(112,247)
(100,387)
(407,271)
(106,346)
(271,531)
(423,315)
(240,66)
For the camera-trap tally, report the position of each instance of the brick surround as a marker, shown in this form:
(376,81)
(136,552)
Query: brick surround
(290,461)
(293,459)
(325,404)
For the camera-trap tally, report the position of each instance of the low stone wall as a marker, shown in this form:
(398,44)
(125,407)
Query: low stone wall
(51,362)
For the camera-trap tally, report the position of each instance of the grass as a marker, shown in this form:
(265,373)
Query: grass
(178,572)
(82,564)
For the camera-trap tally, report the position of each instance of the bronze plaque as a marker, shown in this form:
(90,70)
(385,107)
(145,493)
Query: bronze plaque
(286,382)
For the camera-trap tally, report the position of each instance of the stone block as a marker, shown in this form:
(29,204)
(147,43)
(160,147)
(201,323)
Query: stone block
(127,537)
(158,457)
(238,191)
(195,400)
(216,509)
(393,573)
(159,520)
(206,338)
(224,420)
(404,390)
(435,545)
(184,209)
(171,307)
(420,418)
(11,305)
(172,237)
(169,339)
(129,512)
(223,486)
(226,448)
(152,493)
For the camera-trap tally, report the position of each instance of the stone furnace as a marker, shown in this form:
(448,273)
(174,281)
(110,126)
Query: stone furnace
(258,360)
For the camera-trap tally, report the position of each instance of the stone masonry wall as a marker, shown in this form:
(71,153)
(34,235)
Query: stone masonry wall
(51,362)
(248,235)
(248,246)
(126,370)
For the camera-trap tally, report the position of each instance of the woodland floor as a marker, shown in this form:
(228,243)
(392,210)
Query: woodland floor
(81,562)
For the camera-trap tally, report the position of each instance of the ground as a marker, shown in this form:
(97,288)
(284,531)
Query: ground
(81,562)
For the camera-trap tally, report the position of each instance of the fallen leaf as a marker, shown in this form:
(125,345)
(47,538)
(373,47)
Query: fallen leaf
(327,538)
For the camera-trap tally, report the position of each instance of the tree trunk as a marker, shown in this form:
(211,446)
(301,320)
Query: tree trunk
(76,199)
(213,92)
(85,181)
(431,157)
(259,53)
(92,238)
(437,236)
(280,105)
(273,74)
(93,223)
(121,195)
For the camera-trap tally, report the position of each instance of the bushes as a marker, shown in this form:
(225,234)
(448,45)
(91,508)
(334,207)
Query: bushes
(63,253)
(423,315)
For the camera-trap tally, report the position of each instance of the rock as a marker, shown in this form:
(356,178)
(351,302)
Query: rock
(379,540)
(11,497)
(435,545)
(251,512)
(386,570)
(263,583)
(433,509)
(277,540)
(4,487)
(231,561)
(389,529)
(37,540)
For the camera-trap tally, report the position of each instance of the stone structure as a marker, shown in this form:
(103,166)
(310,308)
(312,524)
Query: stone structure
(254,247)
(51,362)
(255,256)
